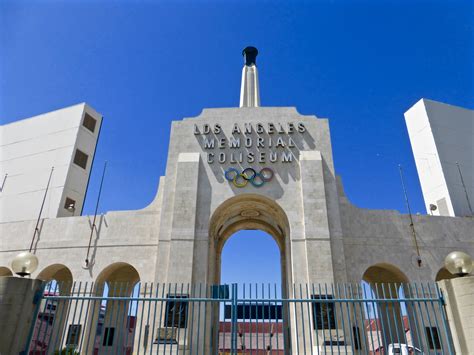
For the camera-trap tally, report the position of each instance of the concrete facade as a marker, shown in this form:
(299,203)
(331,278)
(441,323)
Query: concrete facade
(179,236)
(267,168)
(459,293)
(20,298)
(442,135)
(30,148)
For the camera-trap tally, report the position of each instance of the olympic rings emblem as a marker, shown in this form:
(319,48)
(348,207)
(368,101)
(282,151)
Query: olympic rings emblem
(241,179)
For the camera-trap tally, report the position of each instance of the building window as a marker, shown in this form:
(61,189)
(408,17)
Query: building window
(80,158)
(356,333)
(73,334)
(70,204)
(176,312)
(323,312)
(46,317)
(433,337)
(89,122)
(108,336)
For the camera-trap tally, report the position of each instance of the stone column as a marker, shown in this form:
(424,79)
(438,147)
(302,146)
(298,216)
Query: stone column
(316,224)
(183,227)
(459,297)
(19,300)
(181,264)
(312,256)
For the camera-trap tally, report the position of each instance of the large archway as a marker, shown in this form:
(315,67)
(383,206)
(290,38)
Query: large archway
(249,212)
(251,257)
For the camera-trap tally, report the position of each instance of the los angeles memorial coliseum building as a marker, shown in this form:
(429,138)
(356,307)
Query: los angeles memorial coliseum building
(251,167)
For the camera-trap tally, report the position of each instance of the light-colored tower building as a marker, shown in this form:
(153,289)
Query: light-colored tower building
(64,139)
(442,139)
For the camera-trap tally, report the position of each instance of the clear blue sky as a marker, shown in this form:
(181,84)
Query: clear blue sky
(141,64)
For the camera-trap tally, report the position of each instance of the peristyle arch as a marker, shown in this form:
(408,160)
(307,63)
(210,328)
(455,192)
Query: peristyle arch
(247,212)
(384,273)
(59,273)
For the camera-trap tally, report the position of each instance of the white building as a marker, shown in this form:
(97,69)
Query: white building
(442,139)
(64,139)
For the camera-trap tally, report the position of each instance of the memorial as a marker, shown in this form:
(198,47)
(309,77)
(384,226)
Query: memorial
(250,167)
(229,169)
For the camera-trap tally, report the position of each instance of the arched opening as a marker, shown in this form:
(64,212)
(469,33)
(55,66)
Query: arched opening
(384,273)
(113,321)
(51,330)
(239,218)
(444,274)
(117,280)
(251,257)
(387,322)
(5,271)
(248,212)
(59,279)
